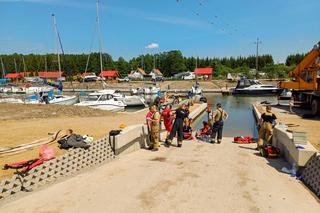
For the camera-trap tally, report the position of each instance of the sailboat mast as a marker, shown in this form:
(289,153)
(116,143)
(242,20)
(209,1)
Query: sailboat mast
(15,65)
(99,35)
(2,66)
(24,66)
(57,41)
(45,64)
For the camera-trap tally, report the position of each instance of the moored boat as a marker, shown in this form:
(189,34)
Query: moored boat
(128,100)
(255,87)
(104,100)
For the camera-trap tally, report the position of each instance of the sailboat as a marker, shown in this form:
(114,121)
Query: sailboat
(104,99)
(3,79)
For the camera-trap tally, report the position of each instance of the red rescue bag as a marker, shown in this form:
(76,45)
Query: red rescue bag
(270,152)
(243,139)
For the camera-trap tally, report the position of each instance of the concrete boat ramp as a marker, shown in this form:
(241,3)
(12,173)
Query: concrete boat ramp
(199,177)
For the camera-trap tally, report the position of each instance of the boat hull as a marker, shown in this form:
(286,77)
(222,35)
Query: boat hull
(115,107)
(257,92)
(131,101)
(111,108)
(65,100)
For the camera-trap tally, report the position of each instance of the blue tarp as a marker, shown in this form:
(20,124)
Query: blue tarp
(4,80)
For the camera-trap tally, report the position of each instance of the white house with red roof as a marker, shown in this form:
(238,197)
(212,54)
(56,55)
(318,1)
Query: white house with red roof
(137,74)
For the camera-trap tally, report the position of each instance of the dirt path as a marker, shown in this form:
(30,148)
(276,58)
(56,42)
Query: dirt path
(200,177)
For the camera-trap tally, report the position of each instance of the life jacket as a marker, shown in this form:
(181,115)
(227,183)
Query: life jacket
(204,131)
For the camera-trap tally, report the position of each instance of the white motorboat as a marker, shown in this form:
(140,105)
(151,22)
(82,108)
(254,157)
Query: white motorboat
(146,90)
(48,97)
(11,89)
(134,100)
(255,87)
(129,100)
(104,100)
(196,89)
(91,77)
(64,100)
(36,90)
(11,100)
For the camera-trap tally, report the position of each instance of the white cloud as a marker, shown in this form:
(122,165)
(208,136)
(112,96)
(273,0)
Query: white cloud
(152,46)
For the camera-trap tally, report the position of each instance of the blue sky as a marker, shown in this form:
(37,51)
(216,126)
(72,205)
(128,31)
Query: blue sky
(201,28)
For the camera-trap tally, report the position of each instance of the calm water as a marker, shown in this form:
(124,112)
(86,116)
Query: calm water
(241,120)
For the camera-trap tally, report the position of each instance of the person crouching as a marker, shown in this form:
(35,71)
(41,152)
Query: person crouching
(187,130)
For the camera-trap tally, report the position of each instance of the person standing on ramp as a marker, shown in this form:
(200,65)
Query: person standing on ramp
(177,128)
(155,129)
(218,118)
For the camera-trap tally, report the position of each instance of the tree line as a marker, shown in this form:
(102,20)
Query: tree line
(169,63)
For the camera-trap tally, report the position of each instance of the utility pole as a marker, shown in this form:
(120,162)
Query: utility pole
(257,54)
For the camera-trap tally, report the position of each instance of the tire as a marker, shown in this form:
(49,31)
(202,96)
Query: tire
(315,107)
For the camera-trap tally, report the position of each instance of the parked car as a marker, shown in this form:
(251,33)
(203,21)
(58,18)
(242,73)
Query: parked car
(125,79)
(157,78)
(180,75)
(189,76)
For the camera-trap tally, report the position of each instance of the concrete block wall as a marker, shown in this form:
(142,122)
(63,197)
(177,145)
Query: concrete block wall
(198,111)
(311,174)
(130,139)
(70,163)
(283,140)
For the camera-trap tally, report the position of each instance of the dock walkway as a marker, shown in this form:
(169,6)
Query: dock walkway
(199,177)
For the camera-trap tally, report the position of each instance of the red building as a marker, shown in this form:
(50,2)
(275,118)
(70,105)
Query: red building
(14,76)
(50,75)
(109,74)
(208,71)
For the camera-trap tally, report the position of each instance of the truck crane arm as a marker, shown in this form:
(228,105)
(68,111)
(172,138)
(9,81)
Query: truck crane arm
(305,74)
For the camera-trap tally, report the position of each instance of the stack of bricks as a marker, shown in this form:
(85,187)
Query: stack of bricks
(63,166)
(311,174)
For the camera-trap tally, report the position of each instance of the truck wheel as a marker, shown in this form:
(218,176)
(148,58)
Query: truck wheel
(315,107)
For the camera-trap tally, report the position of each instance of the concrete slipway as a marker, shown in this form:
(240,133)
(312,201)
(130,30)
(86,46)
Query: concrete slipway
(199,177)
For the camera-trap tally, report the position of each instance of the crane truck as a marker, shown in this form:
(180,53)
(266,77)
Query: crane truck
(305,81)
